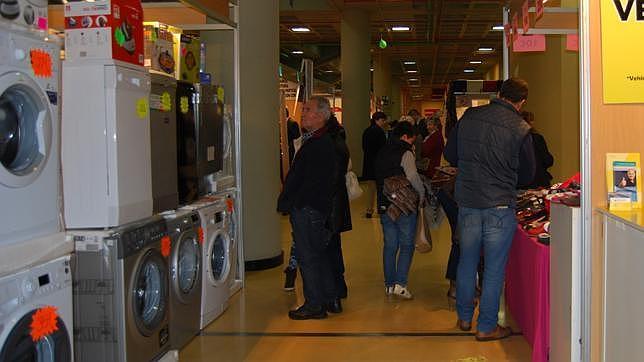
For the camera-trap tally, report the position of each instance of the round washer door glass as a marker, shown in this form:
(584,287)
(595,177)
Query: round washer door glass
(219,265)
(188,264)
(150,292)
(25,130)
(19,346)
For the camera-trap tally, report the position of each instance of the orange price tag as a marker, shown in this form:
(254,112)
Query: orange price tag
(43,323)
(41,63)
(200,235)
(165,246)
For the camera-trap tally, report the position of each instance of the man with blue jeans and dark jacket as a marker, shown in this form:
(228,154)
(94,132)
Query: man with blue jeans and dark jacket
(492,148)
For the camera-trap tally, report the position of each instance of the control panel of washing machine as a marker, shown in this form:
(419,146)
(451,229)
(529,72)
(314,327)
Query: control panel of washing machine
(39,57)
(23,287)
(136,239)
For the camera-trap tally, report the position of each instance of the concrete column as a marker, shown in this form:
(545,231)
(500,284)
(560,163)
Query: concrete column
(259,87)
(355,61)
(396,99)
(382,80)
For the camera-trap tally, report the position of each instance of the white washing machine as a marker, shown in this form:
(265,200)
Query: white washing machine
(29,136)
(121,301)
(236,281)
(29,14)
(217,259)
(106,144)
(36,317)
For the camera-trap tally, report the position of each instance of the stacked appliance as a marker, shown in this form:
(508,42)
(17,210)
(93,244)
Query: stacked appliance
(34,263)
(185,265)
(121,301)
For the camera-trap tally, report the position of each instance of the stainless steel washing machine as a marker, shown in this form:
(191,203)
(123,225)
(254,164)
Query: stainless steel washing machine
(121,297)
(186,235)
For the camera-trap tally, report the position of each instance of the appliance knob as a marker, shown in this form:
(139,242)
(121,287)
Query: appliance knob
(19,54)
(28,288)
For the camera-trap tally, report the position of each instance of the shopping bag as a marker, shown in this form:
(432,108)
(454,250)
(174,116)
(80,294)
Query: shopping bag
(434,213)
(423,239)
(353,187)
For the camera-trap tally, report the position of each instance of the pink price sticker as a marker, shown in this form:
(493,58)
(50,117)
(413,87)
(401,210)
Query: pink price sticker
(529,43)
(43,24)
(572,42)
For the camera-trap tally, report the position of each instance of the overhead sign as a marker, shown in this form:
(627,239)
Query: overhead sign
(525,12)
(622,28)
(290,90)
(529,43)
(538,9)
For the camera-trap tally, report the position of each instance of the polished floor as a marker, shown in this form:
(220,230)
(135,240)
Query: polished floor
(372,327)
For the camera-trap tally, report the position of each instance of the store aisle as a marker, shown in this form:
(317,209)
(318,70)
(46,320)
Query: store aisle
(372,327)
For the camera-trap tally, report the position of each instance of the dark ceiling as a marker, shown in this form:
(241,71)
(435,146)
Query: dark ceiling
(445,36)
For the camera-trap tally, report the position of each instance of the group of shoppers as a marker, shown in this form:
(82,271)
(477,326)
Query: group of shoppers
(495,150)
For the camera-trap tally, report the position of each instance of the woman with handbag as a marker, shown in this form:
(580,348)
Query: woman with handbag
(399,190)
(373,140)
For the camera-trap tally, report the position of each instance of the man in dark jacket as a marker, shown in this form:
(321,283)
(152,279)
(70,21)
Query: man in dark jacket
(308,196)
(492,148)
(292,133)
(543,157)
(373,140)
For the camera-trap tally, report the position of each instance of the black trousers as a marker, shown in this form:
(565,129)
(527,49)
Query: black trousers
(314,255)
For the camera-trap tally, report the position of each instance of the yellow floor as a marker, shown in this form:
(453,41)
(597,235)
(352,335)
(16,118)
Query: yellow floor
(256,326)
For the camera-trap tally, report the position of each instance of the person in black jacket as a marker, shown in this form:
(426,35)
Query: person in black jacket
(543,157)
(308,196)
(492,147)
(374,139)
(293,133)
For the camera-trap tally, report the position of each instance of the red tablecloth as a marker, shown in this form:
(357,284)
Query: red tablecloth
(527,291)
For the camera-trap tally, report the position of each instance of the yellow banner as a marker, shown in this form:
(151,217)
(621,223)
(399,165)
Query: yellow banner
(622,26)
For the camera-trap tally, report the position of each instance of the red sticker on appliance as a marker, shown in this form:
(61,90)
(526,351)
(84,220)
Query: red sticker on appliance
(165,246)
(41,63)
(200,235)
(43,323)
(231,205)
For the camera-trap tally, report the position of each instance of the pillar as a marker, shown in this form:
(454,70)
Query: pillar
(355,63)
(396,99)
(382,80)
(259,98)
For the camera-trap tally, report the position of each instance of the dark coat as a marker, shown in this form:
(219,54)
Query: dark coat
(293,133)
(373,140)
(340,211)
(543,160)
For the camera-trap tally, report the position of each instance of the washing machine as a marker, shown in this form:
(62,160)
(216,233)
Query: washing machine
(36,318)
(28,14)
(224,179)
(106,156)
(184,263)
(216,257)
(29,136)
(121,299)
(163,142)
(236,280)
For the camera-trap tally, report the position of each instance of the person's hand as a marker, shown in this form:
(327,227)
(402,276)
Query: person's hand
(623,182)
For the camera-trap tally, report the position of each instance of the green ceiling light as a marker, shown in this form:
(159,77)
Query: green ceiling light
(382,43)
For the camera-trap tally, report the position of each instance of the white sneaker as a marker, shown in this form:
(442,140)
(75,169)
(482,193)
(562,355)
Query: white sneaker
(402,292)
(389,290)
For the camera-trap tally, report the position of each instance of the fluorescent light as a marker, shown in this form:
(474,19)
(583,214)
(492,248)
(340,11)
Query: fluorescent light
(409,62)
(468,70)
(486,49)
(497,27)
(413,79)
(300,29)
(328,71)
(411,71)
(371,69)
(297,52)
(400,28)
(476,62)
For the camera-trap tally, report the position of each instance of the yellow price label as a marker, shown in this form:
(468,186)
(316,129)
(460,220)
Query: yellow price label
(166,102)
(185,106)
(142,108)
(220,94)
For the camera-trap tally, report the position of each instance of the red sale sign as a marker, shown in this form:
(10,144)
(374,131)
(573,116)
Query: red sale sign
(572,42)
(515,26)
(525,12)
(529,43)
(539,8)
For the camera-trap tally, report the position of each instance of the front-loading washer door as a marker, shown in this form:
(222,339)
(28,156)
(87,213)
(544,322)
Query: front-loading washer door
(186,266)
(219,258)
(150,292)
(25,130)
(20,346)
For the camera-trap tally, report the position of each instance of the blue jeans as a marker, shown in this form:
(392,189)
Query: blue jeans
(492,230)
(399,247)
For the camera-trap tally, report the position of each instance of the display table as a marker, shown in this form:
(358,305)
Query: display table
(527,291)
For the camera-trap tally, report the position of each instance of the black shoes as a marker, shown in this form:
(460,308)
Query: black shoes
(289,282)
(334,307)
(305,312)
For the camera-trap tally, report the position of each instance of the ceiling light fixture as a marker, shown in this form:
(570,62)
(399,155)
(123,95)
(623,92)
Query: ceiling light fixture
(486,49)
(476,62)
(413,79)
(468,71)
(497,27)
(400,28)
(412,71)
(300,29)
(298,52)
(409,62)
(328,71)
(371,69)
